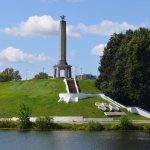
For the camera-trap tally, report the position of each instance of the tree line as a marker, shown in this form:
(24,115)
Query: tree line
(9,74)
(125,68)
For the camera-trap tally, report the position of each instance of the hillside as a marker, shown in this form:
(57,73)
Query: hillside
(40,95)
(42,98)
(87,86)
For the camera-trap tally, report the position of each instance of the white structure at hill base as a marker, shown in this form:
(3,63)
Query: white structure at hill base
(139,111)
(135,110)
(73,97)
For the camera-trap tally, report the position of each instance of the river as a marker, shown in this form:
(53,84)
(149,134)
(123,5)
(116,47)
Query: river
(74,140)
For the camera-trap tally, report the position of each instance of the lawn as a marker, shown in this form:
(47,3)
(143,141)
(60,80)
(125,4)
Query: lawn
(42,98)
(39,95)
(87,86)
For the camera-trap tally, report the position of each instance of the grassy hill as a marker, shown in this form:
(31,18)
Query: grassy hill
(42,98)
(40,95)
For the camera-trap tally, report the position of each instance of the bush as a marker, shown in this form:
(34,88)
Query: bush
(94,126)
(45,123)
(125,124)
(41,75)
(8,124)
(24,117)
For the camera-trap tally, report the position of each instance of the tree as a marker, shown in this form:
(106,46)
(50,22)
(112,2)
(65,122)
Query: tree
(9,74)
(41,75)
(16,75)
(125,68)
(24,116)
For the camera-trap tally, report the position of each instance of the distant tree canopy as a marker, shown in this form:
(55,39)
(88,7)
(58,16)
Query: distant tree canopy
(9,74)
(125,68)
(41,75)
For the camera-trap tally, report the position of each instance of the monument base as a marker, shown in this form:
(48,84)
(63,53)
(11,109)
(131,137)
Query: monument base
(65,68)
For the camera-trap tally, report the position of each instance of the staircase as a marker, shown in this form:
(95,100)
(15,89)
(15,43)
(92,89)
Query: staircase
(71,86)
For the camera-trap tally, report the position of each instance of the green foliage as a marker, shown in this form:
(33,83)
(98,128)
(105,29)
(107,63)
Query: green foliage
(8,124)
(91,126)
(9,74)
(41,75)
(125,124)
(65,126)
(125,68)
(24,117)
(44,123)
(94,126)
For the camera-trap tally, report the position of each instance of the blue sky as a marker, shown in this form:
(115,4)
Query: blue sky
(29,31)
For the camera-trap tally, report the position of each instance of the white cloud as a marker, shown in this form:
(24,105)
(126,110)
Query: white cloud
(35,26)
(41,57)
(1,64)
(105,28)
(38,26)
(72,33)
(98,49)
(47,26)
(12,54)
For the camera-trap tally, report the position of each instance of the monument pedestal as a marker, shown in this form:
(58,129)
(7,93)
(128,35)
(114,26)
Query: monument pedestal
(65,68)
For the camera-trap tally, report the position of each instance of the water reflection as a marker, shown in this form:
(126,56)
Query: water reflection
(74,140)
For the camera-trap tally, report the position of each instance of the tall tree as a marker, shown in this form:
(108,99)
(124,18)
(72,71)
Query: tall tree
(125,68)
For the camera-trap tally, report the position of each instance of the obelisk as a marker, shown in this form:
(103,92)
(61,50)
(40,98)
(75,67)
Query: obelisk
(62,63)
(62,44)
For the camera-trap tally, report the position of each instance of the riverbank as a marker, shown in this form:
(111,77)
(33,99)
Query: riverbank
(78,119)
(43,125)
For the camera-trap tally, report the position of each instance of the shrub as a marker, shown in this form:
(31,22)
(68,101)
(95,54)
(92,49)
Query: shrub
(41,75)
(8,124)
(125,124)
(45,123)
(94,126)
(24,117)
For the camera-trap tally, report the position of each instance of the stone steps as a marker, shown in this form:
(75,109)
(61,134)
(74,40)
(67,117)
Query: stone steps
(71,86)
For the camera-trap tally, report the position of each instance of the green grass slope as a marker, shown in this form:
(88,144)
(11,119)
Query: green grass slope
(87,86)
(42,98)
(39,95)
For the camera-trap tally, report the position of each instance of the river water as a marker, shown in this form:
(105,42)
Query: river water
(74,140)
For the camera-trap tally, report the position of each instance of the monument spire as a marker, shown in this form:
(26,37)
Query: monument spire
(62,39)
(62,63)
